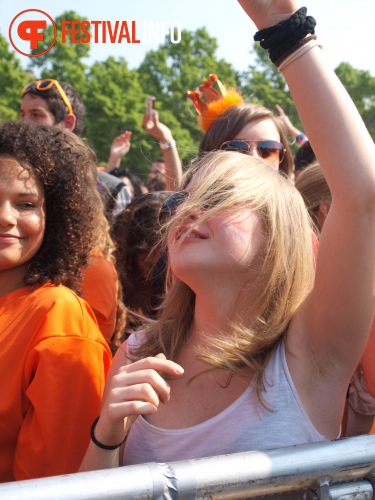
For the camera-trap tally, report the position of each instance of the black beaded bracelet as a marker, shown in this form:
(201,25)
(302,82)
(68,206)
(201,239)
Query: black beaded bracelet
(281,38)
(100,445)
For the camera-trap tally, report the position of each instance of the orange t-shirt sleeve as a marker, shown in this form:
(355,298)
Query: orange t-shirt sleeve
(100,291)
(64,381)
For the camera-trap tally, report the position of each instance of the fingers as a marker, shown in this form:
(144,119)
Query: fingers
(148,118)
(280,110)
(127,135)
(139,388)
(136,389)
(158,363)
(148,123)
(130,410)
(155,117)
(142,385)
(122,138)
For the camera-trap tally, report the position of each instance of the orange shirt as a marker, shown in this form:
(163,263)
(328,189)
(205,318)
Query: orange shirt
(53,363)
(100,290)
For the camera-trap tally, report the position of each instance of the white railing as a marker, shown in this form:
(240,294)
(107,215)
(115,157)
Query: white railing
(342,469)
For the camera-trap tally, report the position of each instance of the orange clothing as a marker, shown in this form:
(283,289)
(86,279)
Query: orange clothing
(53,363)
(100,290)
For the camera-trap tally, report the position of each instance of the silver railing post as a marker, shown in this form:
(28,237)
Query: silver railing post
(318,469)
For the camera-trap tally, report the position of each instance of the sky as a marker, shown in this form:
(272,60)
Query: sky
(347,33)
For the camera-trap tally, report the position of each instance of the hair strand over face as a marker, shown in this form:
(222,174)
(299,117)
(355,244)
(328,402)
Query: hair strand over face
(225,183)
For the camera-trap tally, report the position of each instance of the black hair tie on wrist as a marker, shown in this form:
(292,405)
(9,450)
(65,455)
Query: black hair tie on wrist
(100,445)
(282,37)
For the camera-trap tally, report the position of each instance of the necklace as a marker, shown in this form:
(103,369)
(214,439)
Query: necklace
(229,380)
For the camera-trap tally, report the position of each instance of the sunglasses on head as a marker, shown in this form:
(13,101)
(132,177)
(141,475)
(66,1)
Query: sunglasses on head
(46,84)
(270,151)
(170,205)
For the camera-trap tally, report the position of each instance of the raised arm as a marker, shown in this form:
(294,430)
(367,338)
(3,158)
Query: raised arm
(119,148)
(289,128)
(173,168)
(329,332)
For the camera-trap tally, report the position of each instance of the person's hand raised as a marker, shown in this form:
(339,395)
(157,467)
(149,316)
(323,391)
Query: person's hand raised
(285,122)
(265,13)
(121,145)
(155,128)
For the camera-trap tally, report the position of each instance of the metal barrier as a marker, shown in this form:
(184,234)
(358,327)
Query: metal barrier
(342,469)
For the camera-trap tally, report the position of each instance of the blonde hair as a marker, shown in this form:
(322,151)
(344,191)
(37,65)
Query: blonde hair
(314,189)
(226,183)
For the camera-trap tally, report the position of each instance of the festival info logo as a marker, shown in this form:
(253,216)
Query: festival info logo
(27,32)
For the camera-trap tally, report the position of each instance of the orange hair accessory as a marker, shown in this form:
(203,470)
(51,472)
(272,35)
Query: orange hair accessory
(215,102)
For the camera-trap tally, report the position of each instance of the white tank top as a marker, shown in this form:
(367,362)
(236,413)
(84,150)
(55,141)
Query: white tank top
(243,426)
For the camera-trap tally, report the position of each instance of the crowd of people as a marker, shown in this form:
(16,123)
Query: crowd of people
(198,313)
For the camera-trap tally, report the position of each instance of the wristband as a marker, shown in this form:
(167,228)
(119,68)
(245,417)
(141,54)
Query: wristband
(282,37)
(97,443)
(301,138)
(167,145)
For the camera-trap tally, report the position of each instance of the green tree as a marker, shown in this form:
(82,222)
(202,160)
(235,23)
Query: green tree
(115,102)
(169,72)
(361,88)
(13,79)
(263,84)
(64,60)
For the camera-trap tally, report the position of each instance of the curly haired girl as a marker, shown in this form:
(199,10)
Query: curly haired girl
(53,358)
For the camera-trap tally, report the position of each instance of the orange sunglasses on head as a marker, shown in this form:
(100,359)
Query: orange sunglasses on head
(46,85)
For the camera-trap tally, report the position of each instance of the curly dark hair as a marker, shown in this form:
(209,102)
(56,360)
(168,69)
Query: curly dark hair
(57,106)
(136,231)
(58,159)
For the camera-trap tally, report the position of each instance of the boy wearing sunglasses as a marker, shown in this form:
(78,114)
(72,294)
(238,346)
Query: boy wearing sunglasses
(50,102)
